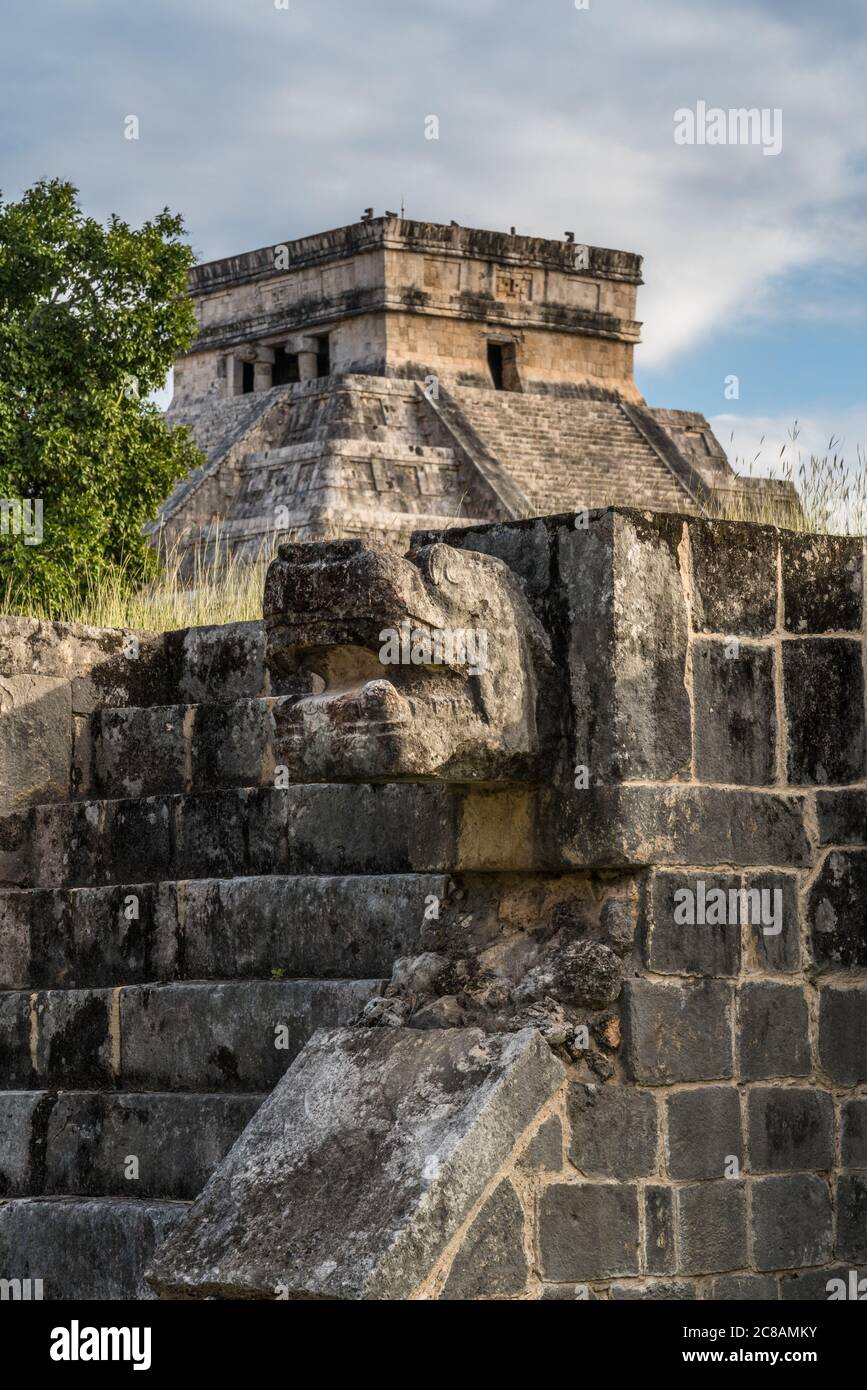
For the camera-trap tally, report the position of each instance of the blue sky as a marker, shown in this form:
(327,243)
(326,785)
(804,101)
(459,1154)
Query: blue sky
(261,123)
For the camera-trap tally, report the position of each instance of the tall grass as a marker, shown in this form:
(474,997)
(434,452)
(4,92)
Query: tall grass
(191,592)
(831,491)
(188,592)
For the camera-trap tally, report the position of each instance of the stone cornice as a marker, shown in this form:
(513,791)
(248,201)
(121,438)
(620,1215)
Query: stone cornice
(401,234)
(493,313)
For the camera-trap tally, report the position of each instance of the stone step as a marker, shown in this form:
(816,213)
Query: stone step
(567,452)
(199,1036)
(317,828)
(394,449)
(314,926)
(173,748)
(96,1248)
(82,1143)
(217,664)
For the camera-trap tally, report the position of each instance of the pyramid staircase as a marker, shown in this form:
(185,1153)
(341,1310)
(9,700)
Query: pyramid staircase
(565,451)
(184,928)
(348,455)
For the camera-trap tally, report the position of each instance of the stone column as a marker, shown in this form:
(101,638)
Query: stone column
(307,350)
(263,369)
(235,368)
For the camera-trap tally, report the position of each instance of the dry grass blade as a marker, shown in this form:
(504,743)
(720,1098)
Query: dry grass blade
(182,595)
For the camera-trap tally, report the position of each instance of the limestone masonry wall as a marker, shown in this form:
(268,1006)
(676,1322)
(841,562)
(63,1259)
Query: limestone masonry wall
(569,952)
(728,1164)
(394,296)
(396,374)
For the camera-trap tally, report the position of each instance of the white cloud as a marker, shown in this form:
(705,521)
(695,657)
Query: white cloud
(771,444)
(824,455)
(262,125)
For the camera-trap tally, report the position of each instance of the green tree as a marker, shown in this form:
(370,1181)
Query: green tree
(91,319)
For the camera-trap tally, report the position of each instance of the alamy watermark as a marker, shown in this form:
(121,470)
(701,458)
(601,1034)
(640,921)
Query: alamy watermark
(77,1343)
(22,516)
(712,125)
(445,646)
(852,1288)
(21,1290)
(716,907)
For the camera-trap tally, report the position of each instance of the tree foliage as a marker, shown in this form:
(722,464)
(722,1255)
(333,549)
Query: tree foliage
(91,319)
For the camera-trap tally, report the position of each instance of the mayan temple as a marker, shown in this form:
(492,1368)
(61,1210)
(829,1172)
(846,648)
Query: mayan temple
(394,375)
(485,921)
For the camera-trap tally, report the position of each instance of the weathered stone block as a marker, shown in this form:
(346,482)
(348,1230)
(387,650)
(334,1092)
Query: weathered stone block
(822,1285)
(677,1032)
(138,846)
(16,860)
(823,691)
(773,1031)
(704,1132)
(52,940)
(659,1291)
(544,1153)
(734,585)
(854,1133)
(386,645)
(15,1064)
(233,1035)
(613,1131)
(91,1249)
(617,920)
(36,722)
(305,925)
(414,1126)
(568,1293)
(852,1217)
(678,937)
(397,828)
(836,911)
(230,744)
(102,936)
(843,1034)
(219,663)
(626,610)
(497,828)
(774,936)
(790,1129)
(177,1141)
(491,1261)
(15,911)
(209,835)
(672,825)
(133,671)
(712,1221)
(122,934)
(67,844)
(588,1230)
(735,716)
(103,666)
(660,1255)
(268,810)
(71,1037)
(823,583)
(21,1151)
(791,1221)
(141,751)
(842,817)
(83,776)
(755,1288)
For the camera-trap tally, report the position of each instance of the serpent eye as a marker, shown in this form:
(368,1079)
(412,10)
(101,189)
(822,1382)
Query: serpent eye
(438,565)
